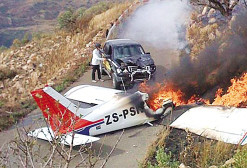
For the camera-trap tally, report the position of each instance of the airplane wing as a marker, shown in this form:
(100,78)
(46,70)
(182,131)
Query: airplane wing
(47,134)
(216,122)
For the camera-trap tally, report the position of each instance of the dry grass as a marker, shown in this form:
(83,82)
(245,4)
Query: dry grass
(207,153)
(240,158)
(193,150)
(102,21)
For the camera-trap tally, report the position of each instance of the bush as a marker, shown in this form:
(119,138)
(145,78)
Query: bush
(71,20)
(79,13)
(240,159)
(66,20)
(163,160)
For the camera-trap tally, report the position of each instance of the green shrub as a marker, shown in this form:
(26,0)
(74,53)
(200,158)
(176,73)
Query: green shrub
(62,86)
(71,20)
(79,13)
(163,160)
(240,158)
(66,20)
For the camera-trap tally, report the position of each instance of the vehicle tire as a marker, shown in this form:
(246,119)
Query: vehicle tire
(115,83)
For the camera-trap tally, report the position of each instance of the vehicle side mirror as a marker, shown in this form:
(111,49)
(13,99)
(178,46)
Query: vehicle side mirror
(148,53)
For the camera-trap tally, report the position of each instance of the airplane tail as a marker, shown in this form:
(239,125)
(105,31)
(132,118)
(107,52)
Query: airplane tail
(59,112)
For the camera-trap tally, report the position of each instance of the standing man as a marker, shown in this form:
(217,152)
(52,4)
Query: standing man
(96,61)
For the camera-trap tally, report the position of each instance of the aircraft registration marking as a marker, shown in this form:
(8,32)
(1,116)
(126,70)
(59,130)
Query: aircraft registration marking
(114,117)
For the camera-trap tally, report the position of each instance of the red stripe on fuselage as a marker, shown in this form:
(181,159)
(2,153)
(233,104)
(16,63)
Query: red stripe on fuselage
(60,118)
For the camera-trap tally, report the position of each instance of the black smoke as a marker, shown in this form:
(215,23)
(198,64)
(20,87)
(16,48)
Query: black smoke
(216,65)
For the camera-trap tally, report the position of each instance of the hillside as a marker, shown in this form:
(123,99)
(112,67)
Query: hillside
(58,59)
(20,16)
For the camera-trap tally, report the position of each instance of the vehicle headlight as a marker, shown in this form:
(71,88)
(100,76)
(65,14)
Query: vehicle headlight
(119,71)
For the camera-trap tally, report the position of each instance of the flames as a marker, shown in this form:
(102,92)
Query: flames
(161,92)
(236,94)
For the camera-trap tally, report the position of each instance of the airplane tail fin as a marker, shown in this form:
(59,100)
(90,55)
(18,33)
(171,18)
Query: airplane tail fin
(59,112)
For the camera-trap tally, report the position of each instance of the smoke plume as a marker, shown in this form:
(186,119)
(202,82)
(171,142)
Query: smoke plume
(158,23)
(160,27)
(216,65)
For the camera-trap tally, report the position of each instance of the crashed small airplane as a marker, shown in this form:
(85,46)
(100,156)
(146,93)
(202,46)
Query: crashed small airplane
(86,111)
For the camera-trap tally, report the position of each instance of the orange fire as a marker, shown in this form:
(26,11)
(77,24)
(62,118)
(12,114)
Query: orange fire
(159,93)
(236,94)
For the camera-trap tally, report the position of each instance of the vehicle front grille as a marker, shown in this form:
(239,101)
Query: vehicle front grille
(141,76)
(132,68)
(135,68)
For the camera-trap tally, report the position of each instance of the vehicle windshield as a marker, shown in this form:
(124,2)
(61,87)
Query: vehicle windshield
(127,51)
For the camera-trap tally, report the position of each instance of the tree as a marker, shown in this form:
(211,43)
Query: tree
(224,6)
(66,20)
